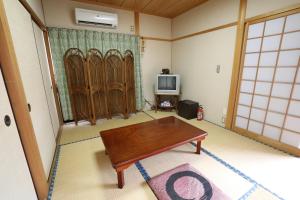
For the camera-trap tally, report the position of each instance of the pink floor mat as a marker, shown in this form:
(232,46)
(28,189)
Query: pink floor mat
(183,183)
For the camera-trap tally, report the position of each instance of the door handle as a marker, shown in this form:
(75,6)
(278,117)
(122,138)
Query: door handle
(29,107)
(7,120)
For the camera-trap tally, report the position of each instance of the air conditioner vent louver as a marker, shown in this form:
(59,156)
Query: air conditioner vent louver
(94,23)
(96,18)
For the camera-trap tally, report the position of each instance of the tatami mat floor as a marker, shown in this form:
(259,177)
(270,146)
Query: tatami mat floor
(241,167)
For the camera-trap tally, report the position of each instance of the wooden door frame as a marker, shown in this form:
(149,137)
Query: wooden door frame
(237,73)
(16,93)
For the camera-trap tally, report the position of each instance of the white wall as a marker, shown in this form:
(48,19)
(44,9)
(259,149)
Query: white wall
(37,7)
(60,13)
(196,58)
(153,26)
(258,7)
(208,15)
(157,54)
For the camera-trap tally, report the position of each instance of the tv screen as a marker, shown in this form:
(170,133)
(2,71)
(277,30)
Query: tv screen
(166,83)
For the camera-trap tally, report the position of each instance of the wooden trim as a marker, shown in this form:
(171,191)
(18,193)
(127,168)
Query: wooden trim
(18,101)
(59,132)
(192,34)
(268,141)
(51,69)
(117,7)
(155,38)
(43,27)
(137,23)
(256,73)
(34,16)
(289,102)
(205,31)
(236,64)
(274,14)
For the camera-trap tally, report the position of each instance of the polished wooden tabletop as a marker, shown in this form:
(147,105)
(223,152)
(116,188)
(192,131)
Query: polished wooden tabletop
(129,144)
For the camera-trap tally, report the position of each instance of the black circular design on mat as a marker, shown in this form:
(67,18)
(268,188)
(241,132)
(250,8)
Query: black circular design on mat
(173,194)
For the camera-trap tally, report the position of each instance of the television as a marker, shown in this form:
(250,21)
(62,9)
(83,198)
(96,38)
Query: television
(167,84)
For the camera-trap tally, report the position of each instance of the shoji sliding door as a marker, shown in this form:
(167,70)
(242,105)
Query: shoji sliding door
(24,43)
(268,104)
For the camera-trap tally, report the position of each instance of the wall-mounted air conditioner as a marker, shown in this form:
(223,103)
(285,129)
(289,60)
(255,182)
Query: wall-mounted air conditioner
(96,18)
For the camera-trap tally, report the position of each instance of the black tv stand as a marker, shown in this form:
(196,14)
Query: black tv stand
(173,98)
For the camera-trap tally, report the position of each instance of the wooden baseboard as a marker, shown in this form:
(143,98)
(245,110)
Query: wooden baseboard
(58,136)
(268,141)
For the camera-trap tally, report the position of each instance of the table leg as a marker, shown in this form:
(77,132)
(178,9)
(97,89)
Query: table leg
(120,179)
(198,147)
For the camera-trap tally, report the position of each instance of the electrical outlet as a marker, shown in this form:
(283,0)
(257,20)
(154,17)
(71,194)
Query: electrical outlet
(218,69)
(131,28)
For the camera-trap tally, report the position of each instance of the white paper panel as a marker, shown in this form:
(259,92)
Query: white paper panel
(255,127)
(272,132)
(256,30)
(265,74)
(298,76)
(281,90)
(241,122)
(260,102)
(291,138)
(243,111)
(249,73)
(257,114)
(271,43)
(292,23)
(253,45)
(289,58)
(279,105)
(268,59)
(263,88)
(247,86)
(274,26)
(285,74)
(275,119)
(251,59)
(292,123)
(296,92)
(291,40)
(245,99)
(294,108)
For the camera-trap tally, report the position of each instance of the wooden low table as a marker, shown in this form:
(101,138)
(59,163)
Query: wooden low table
(129,144)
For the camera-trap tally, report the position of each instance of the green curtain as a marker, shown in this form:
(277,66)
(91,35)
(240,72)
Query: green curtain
(61,39)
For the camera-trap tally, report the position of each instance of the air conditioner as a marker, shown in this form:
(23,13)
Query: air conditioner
(96,18)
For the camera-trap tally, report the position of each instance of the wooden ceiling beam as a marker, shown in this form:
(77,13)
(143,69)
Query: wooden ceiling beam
(162,8)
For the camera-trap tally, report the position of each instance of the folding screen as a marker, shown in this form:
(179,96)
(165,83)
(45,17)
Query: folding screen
(78,84)
(97,82)
(269,90)
(115,79)
(130,85)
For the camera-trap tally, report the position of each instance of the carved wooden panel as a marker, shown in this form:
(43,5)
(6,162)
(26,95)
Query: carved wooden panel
(97,82)
(130,83)
(76,72)
(115,79)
